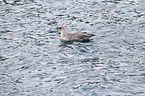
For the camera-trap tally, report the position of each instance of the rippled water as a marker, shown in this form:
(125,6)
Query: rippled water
(33,60)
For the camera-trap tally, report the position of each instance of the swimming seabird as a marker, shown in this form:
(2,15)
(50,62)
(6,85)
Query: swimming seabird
(73,36)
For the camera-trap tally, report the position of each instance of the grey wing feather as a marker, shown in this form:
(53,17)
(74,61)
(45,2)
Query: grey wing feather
(85,35)
(79,35)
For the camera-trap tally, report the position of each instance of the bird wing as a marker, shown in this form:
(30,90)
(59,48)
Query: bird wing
(74,35)
(85,35)
(77,35)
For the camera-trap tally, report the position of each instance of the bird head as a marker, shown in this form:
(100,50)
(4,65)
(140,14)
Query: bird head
(59,28)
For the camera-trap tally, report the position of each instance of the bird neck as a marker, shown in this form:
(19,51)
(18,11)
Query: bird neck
(64,32)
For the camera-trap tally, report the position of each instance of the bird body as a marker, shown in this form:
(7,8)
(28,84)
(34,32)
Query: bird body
(73,36)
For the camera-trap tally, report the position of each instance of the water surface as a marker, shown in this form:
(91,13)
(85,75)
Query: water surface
(33,60)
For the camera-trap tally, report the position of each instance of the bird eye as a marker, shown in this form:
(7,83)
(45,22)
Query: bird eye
(59,28)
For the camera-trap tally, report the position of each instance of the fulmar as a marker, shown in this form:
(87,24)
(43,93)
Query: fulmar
(73,36)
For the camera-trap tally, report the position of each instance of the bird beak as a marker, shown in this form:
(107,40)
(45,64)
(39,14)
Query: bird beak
(57,29)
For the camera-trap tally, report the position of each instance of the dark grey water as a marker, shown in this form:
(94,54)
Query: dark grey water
(33,60)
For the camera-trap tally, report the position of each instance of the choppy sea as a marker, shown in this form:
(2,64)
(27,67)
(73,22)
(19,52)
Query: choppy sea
(35,62)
